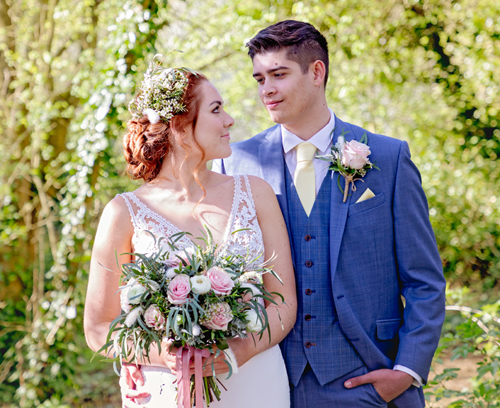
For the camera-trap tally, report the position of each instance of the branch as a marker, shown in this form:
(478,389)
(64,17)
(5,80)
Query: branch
(468,311)
(61,319)
(219,58)
(5,369)
(45,214)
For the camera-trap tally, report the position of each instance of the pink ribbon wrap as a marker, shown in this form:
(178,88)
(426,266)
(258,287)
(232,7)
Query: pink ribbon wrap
(183,362)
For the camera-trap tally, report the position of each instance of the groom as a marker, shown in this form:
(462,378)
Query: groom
(369,278)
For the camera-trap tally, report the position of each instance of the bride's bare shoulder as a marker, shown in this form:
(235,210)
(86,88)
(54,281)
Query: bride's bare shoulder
(116,213)
(261,190)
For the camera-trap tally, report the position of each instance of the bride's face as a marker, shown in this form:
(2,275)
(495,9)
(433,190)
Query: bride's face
(212,127)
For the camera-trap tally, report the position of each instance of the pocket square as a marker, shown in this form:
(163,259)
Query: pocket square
(366,196)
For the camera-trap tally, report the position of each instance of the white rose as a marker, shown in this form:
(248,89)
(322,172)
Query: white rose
(135,293)
(133,316)
(255,324)
(200,284)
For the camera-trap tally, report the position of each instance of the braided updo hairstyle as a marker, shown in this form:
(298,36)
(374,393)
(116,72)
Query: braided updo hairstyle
(146,145)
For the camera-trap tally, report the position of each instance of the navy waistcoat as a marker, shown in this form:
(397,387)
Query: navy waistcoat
(316,337)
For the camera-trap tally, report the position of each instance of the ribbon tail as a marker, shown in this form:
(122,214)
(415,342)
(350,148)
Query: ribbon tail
(186,354)
(198,378)
(179,369)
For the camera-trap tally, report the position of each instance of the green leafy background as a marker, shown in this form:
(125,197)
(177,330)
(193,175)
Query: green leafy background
(424,71)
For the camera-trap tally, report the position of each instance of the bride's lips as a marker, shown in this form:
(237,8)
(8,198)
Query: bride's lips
(272,104)
(226,135)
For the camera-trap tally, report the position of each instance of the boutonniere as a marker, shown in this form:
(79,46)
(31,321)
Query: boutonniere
(350,160)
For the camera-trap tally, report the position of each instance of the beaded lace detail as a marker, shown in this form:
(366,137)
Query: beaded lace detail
(243,216)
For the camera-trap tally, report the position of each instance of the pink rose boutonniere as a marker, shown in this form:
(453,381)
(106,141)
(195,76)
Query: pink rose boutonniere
(350,159)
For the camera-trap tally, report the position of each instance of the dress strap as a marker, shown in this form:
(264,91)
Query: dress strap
(249,191)
(236,196)
(133,217)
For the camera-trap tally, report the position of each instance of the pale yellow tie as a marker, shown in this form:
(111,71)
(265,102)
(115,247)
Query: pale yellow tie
(305,176)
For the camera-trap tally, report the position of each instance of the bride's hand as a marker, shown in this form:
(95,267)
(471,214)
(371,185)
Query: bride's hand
(219,365)
(241,351)
(170,356)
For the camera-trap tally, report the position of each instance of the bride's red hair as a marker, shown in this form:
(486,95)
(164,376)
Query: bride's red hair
(146,145)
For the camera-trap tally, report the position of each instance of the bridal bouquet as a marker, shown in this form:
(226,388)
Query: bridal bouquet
(197,298)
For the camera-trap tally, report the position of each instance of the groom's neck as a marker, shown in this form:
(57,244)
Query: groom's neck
(310,122)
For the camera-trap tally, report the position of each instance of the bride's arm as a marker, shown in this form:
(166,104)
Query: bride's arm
(102,306)
(276,242)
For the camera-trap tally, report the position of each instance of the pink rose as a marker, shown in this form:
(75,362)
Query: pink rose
(355,154)
(178,289)
(220,280)
(154,318)
(217,316)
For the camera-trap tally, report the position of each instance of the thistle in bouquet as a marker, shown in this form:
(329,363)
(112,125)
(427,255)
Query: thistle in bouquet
(350,160)
(197,298)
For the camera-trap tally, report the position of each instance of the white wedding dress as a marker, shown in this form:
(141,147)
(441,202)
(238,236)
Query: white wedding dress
(262,382)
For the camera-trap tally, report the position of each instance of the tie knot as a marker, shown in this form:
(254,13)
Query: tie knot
(305,152)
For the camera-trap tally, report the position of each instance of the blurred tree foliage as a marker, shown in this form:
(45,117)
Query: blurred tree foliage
(425,71)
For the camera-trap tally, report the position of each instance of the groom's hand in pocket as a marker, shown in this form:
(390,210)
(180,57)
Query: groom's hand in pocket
(388,383)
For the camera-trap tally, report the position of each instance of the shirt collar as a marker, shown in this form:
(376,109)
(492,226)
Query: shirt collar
(321,140)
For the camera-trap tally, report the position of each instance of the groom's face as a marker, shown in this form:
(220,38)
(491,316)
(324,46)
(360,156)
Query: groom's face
(286,92)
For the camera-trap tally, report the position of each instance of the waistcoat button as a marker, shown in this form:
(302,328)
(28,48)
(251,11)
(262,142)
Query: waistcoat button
(309,292)
(307,237)
(309,264)
(307,317)
(308,344)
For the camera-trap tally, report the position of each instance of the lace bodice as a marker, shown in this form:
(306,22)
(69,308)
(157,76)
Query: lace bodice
(243,215)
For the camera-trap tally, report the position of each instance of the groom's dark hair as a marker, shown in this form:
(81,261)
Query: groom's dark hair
(303,43)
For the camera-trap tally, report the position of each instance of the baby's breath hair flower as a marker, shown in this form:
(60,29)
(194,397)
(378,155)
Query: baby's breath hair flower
(160,93)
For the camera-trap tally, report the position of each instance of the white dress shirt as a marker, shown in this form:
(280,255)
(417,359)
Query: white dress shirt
(323,142)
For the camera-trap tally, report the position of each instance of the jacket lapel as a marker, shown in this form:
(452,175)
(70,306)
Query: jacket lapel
(338,209)
(272,165)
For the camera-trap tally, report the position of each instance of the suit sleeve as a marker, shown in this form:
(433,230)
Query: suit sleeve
(420,270)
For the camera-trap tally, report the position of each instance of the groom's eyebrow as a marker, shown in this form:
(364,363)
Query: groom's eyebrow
(270,71)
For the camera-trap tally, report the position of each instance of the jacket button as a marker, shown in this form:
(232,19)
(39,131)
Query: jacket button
(308,344)
(309,264)
(309,292)
(307,317)
(307,237)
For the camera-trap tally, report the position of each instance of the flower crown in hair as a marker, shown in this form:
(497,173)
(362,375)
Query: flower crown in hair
(160,93)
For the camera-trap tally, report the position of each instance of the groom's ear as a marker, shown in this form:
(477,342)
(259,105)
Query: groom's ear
(319,71)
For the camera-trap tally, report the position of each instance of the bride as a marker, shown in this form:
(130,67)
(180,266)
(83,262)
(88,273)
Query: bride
(168,147)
